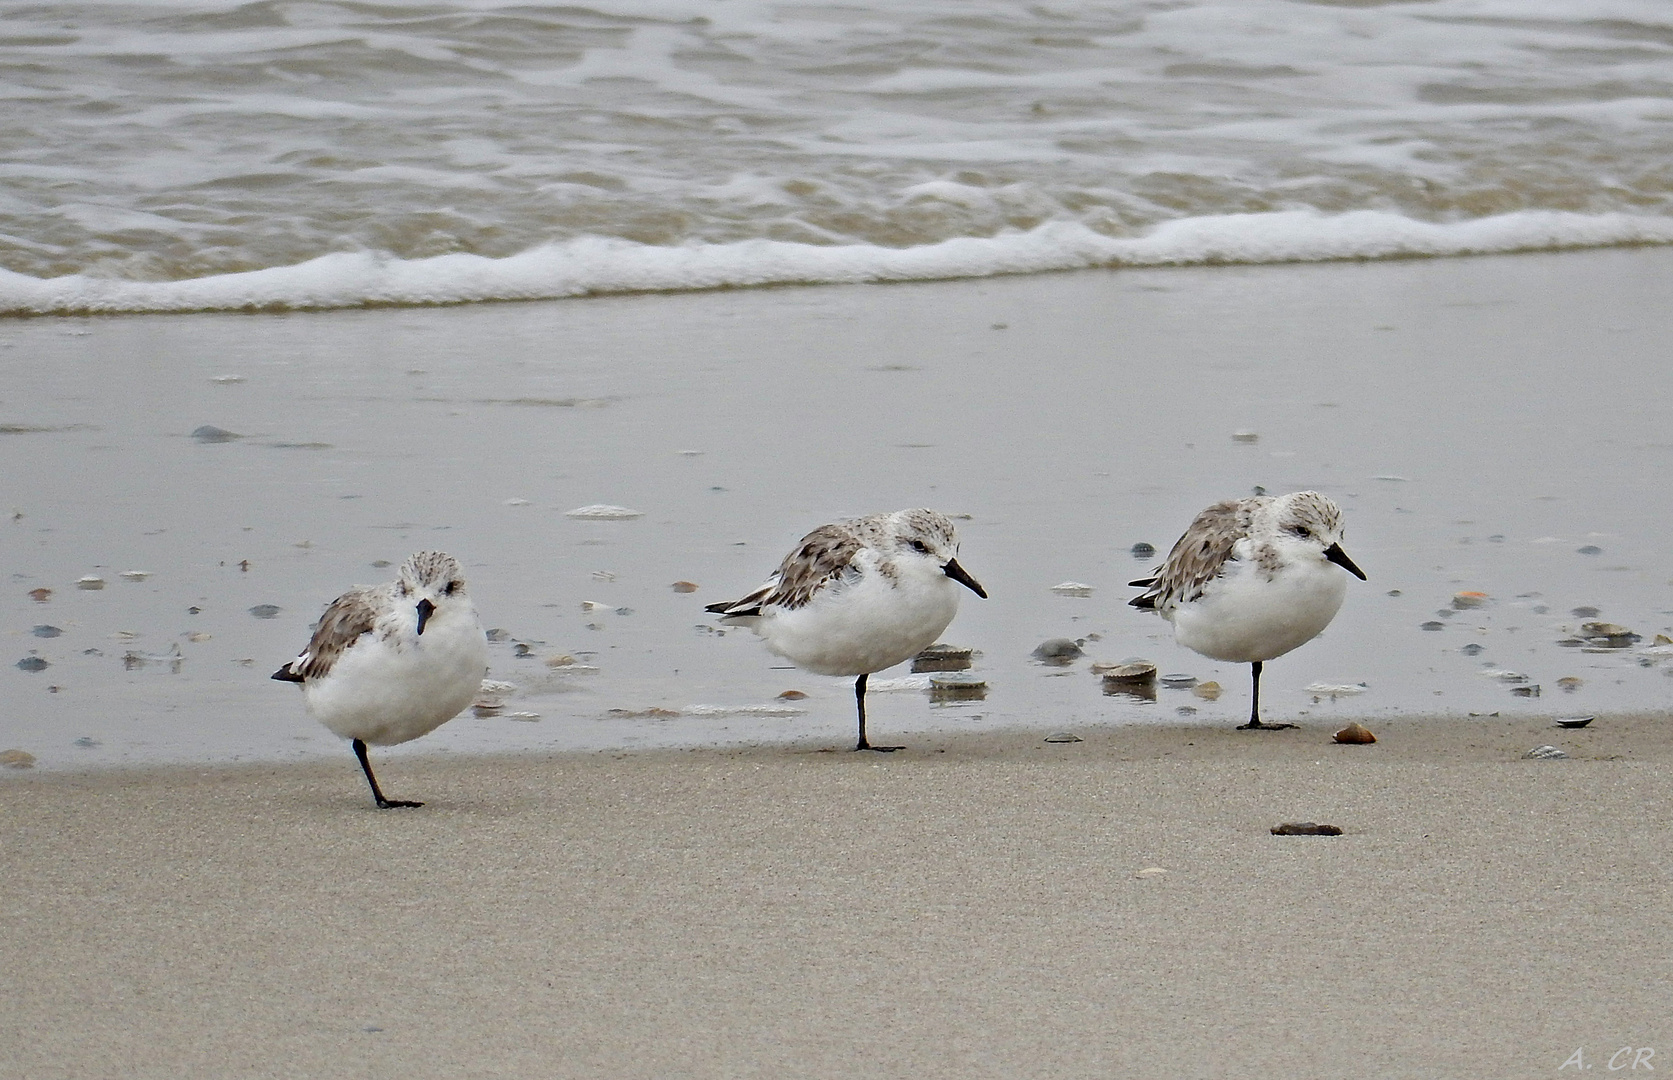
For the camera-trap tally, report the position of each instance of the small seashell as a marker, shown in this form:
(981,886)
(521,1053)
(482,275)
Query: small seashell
(1062,737)
(46,631)
(1208,691)
(1575,721)
(1131,671)
(590,606)
(525,717)
(17,759)
(517,502)
(1305,828)
(40,596)
(1545,753)
(1433,624)
(1150,872)
(1474,648)
(1245,436)
(1585,611)
(1589,549)
(134,575)
(1072,588)
(1662,639)
(92,583)
(265,611)
(197,637)
(684,587)
(603,512)
(604,575)
(954,687)
(561,660)
(792,695)
(1179,681)
(1570,683)
(1464,600)
(209,433)
(1336,690)
(1355,733)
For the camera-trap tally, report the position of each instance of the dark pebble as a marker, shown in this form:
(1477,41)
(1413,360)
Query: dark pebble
(1473,649)
(1142,550)
(1305,828)
(1585,612)
(1433,624)
(1589,549)
(32,663)
(46,631)
(1060,649)
(265,611)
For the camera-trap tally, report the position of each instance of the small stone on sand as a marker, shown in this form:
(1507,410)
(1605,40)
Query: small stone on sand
(1305,828)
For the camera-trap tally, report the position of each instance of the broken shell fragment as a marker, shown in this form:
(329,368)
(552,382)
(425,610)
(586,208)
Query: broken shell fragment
(1062,737)
(1355,733)
(1463,600)
(1545,753)
(1575,721)
(1072,588)
(1208,691)
(943,657)
(684,586)
(91,582)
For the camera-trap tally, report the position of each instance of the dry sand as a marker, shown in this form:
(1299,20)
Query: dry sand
(972,906)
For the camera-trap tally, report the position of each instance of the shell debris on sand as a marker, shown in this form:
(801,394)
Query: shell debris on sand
(603,512)
(684,586)
(17,759)
(1208,691)
(1150,872)
(92,583)
(955,686)
(1305,828)
(1072,588)
(40,596)
(1134,670)
(1545,753)
(1464,600)
(1355,734)
(1063,737)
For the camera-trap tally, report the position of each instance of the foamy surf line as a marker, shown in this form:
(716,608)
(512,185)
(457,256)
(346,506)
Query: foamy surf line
(595,266)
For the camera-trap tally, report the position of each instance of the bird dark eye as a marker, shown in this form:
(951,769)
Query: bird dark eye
(452,587)
(920,547)
(1302,531)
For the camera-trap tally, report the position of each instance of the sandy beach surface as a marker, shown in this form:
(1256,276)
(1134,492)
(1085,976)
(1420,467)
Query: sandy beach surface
(984,905)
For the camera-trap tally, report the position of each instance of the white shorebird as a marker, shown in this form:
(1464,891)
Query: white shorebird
(859,596)
(1252,579)
(391,662)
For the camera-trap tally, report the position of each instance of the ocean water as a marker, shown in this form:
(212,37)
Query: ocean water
(179,156)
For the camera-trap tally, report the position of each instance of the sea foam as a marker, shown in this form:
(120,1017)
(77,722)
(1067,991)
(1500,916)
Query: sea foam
(595,266)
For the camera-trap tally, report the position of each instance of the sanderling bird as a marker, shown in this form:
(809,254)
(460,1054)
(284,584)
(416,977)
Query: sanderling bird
(391,662)
(859,596)
(1251,579)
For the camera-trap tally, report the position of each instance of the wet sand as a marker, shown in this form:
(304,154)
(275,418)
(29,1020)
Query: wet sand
(971,906)
(1495,425)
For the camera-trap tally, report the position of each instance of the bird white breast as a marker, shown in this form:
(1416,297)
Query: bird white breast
(865,626)
(384,693)
(1245,616)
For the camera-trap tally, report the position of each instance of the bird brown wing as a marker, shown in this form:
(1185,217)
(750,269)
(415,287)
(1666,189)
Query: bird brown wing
(1197,557)
(824,555)
(349,616)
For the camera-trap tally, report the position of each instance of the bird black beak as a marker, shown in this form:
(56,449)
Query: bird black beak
(956,572)
(1336,555)
(427,609)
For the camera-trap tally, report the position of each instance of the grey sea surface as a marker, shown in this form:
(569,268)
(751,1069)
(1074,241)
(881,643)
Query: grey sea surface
(1492,425)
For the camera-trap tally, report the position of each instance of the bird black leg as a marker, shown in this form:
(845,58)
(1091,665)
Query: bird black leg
(1254,723)
(383,803)
(860,704)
